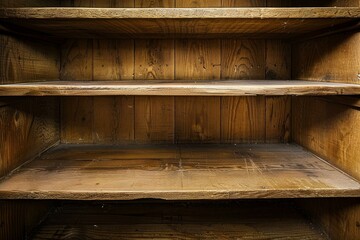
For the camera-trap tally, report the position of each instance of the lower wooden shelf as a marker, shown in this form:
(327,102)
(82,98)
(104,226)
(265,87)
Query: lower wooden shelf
(97,172)
(179,220)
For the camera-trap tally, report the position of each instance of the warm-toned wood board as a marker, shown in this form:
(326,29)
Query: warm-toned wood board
(169,220)
(244,3)
(154,116)
(175,22)
(154,119)
(154,3)
(77,119)
(334,58)
(243,119)
(22,60)
(278,108)
(179,87)
(27,3)
(177,172)
(325,3)
(18,218)
(27,128)
(198,3)
(197,119)
(331,130)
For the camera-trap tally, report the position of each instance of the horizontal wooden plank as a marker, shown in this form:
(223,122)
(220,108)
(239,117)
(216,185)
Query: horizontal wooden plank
(179,88)
(175,22)
(97,172)
(177,220)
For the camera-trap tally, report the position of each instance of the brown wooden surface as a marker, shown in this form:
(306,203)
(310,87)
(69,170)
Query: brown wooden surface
(179,88)
(177,172)
(332,131)
(334,58)
(168,220)
(22,60)
(182,22)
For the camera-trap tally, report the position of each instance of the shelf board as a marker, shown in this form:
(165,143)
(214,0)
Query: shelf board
(169,220)
(96,172)
(178,88)
(175,22)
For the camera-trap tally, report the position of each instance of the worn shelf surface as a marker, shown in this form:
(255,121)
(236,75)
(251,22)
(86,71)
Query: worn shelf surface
(174,22)
(178,88)
(177,172)
(168,220)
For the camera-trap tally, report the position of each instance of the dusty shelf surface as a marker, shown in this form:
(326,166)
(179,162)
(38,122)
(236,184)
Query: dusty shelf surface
(175,22)
(177,220)
(184,172)
(179,88)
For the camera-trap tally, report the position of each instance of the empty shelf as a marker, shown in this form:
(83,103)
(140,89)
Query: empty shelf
(168,220)
(174,22)
(178,88)
(177,172)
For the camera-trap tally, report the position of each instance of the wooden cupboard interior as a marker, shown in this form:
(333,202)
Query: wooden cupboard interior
(179,119)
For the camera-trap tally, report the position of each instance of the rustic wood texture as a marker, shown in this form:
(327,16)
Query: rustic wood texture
(177,172)
(18,218)
(334,58)
(197,119)
(164,220)
(26,129)
(32,3)
(22,60)
(243,119)
(171,22)
(331,130)
(278,108)
(179,88)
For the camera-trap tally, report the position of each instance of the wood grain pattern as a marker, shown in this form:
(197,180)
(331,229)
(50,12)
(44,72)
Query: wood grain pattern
(164,220)
(154,116)
(27,3)
(27,128)
(77,120)
(243,119)
(22,60)
(197,119)
(179,88)
(19,217)
(177,172)
(243,59)
(244,3)
(154,119)
(331,130)
(176,22)
(334,58)
(197,3)
(278,108)
(154,3)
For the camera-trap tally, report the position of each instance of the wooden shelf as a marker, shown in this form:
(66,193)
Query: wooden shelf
(164,220)
(178,88)
(95,172)
(175,22)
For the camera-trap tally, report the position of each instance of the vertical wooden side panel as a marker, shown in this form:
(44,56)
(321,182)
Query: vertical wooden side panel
(27,127)
(278,109)
(154,116)
(243,118)
(334,58)
(331,131)
(197,118)
(23,60)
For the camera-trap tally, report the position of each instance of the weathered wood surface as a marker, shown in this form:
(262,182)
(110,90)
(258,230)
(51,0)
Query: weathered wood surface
(175,22)
(169,220)
(177,172)
(178,88)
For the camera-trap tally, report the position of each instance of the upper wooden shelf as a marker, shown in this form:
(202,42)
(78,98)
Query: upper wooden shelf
(210,171)
(178,88)
(174,22)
